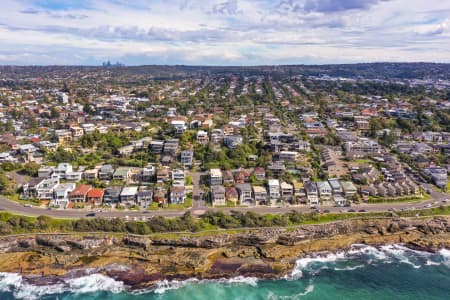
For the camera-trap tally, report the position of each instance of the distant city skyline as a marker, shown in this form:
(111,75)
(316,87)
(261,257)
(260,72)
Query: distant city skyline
(223,32)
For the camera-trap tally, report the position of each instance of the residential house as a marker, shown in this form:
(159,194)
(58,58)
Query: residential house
(299,191)
(348,188)
(218,195)
(160,194)
(79,194)
(178,176)
(274,191)
(202,137)
(162,175)
(128,195)
(312,193)
(61,194)
(277,168)
(288,156)
(287,191)
(95,196)
(126,150)
(106,172)
(171,147)
(157,147)
(144,196)
(122,173)
(148,173)
(186,158)
(45,172)
(177,194)
(304,146)
(74,176)
(63,136)
(324,189)
(45,188)
(228,177)
(77,132)
(62,169)
(339,200)
(232,194)
(259,173)
(216,177)
(179,126)
(112,195)
(245,194)
(90,174)
(232,141)
(260,194)
(335,186)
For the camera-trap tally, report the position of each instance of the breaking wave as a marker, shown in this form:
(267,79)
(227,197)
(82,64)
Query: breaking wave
(360,256)
(15,283)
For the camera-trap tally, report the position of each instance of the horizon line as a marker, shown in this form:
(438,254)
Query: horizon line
(224,66)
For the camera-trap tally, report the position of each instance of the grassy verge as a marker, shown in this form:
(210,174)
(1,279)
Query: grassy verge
(398,199)
(16,198)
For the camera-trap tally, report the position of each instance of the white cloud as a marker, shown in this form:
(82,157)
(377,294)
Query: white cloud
(224,31)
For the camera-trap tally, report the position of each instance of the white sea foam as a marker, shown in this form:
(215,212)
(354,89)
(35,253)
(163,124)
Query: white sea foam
(166,285)
(445,255)
(9,281)
(349,268)
(360,249)
(253,281)
(309,289)
(12,282)
(95,282)
(432,263)
(305,263)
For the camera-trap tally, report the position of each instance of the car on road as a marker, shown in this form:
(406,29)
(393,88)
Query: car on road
(91,214)
(427,205)
(326,211)
(362,210)
(445,201)
(27,205)
(351,210)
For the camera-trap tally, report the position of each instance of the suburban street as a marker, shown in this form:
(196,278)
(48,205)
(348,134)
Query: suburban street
(438,199)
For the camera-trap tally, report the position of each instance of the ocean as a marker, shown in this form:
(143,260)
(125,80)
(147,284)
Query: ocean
(363,272)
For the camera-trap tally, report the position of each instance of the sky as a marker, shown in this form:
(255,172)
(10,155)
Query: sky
(223,32)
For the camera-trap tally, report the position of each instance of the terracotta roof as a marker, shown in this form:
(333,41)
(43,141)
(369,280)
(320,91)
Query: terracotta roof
(81,190)
(95,193)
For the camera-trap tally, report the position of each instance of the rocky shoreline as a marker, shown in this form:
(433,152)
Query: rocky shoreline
(141,262)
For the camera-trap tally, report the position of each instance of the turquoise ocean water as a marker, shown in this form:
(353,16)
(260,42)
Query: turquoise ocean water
(363,272)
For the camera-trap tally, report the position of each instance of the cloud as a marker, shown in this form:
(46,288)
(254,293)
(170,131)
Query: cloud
(52,14)
(328,6)
(229,7)
(439,29)
(223,31)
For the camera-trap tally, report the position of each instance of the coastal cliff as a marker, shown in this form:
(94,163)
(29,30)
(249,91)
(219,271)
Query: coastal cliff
(140,261)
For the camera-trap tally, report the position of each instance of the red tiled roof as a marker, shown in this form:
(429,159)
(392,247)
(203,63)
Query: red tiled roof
(95,193)
(81,190)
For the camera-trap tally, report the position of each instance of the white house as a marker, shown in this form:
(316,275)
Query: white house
(61,194)
(216,177)
(274,190)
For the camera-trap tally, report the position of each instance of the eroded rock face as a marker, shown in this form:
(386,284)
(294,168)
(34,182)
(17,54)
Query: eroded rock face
(263,253)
